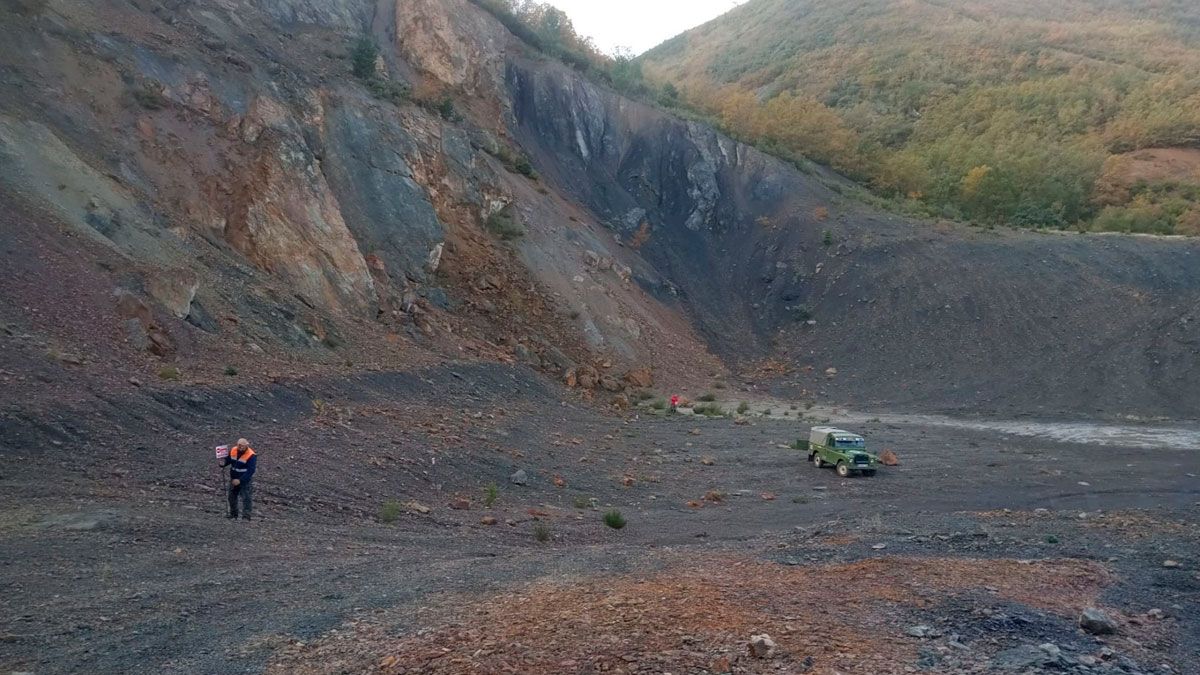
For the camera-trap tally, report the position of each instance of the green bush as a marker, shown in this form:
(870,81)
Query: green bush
(827,238)
(707,397)
(231,371)
(513,161)
(169,373)
(362,58)
(614,519)
(490,494)
(743,407)
(387,90)
(1148,219)
(659,404)
(390,511)
(709,410)
(150,96)
(541,532)
(506,224)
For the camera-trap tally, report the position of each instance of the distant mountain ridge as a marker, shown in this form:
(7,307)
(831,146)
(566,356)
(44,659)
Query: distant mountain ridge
(1011,111)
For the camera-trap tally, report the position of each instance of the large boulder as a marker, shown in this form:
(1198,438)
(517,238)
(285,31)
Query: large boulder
(1097,622)
(588,377)
(642,378)
(762,646)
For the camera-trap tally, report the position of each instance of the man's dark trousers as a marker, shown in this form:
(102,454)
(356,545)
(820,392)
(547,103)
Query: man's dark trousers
(246,490)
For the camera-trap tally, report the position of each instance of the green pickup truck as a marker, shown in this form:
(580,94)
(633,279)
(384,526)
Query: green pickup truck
(841,449)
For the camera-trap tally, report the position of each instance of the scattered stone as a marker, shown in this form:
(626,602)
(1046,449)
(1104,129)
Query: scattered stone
(1051,649)
(1097,622)
(1171,564)
(558,481)
(762,646)
(831,372)
(889,458)
(708,461)
(418,507)
(1022,658)
(487,520)
(721,665)
(923,631)
(519,477)
(879,547)
(768,497)
(460,504)
(1156,614)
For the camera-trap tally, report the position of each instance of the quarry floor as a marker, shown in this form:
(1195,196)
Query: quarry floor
(116,557)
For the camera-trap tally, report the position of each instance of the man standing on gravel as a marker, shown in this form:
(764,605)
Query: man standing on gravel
(242,462)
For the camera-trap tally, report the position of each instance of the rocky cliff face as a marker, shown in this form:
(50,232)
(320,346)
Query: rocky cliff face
(240,192)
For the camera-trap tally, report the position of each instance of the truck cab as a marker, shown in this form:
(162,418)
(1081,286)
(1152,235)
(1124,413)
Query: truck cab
(844,451)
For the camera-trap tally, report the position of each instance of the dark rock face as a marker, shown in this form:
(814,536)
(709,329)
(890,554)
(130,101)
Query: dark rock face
(769,260)
(352,15)
(388,213)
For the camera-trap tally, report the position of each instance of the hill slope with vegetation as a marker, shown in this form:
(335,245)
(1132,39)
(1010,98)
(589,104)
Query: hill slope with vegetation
(1005,111)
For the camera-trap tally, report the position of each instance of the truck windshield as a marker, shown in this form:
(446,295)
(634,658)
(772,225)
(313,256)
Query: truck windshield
(849,443)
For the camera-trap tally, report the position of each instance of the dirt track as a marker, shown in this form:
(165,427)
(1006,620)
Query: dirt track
(111,567)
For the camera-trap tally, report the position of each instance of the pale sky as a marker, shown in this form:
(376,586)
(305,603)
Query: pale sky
(639,24)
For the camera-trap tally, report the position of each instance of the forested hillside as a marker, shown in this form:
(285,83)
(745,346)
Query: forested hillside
(998,111)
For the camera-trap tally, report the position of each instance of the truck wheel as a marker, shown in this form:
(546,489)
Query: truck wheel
(816,460)
(868,472)
(843,469)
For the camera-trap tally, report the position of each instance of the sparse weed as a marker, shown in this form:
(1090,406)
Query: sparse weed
(709,410)
(541,532)
(743,407)
(168,373)
(490,494)
(231,371)
(659,404)
(707,397)
(614,519)
(582,502)
(389,512)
